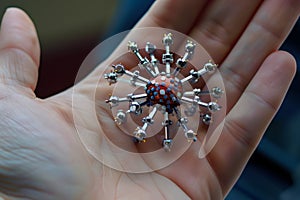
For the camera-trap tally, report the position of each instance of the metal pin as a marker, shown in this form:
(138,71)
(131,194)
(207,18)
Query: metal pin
(166,123)
(136,76)
(149,118)
(216,92)
(212,106)
(189,134)
(137,96)
(195,75)
(195,91)
(167,142)
(167,57)
(114,100)
(195,100)
(181,62)
(150,49)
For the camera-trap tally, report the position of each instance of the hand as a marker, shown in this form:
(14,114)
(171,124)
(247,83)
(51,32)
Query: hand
(41,156)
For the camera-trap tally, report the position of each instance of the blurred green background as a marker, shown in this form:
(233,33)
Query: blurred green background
(61,23)
(68,31)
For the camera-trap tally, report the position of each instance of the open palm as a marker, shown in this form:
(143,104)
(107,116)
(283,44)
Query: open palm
(41,156)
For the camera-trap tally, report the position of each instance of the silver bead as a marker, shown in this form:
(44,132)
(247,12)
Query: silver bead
(210,66)
(217,92)
(191,135)
(119,69)
(111,77)
(206,119)
(135,108)
(150,48)
(168,40)
(113,100)
(213,106)
(120,117)
(190,47)
(167,144)
(132,46)
(140,134)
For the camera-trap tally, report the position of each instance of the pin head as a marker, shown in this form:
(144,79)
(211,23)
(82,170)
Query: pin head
(168,40)
(132,46)
(210,66)
(150,48)
(190,47)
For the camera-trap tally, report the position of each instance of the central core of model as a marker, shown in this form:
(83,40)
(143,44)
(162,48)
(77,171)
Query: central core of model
(164,91)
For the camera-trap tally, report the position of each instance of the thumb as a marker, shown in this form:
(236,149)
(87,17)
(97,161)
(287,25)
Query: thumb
(19,50)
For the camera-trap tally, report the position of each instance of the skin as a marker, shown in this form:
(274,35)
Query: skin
(41,156)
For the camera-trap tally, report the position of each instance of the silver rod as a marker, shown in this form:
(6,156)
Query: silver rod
(138,96)
(187,100)
(157,72)
(186,79)
(145,126)
(153,112)
(166,132)
(201,72)
(129,73)
(154,64)
(203,104)
(123,99)
(167,49)
(168,68)
(198,74)
(185,57)
(166,118)
(139,56)
(189,93)
(184,127)
(176,71)
(128,81)
(181,120)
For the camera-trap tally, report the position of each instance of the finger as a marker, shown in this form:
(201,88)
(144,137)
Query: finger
(176,15)
(249,118)
(268,29)
(221,24)
(159,15)
(19,49)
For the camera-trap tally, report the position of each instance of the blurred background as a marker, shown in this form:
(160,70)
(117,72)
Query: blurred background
(69,30)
